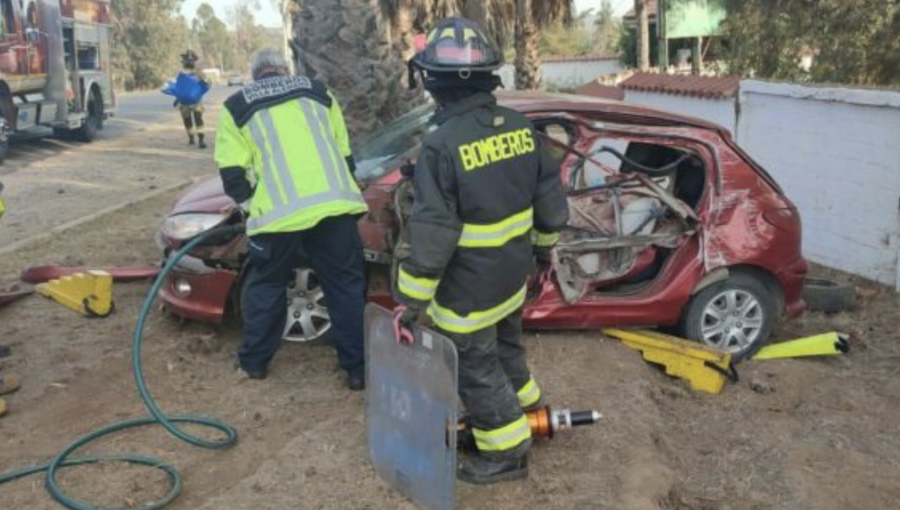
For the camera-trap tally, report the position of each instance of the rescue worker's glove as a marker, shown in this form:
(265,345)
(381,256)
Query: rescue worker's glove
(404,319)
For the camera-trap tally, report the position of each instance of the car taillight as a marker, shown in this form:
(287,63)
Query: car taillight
(784,219)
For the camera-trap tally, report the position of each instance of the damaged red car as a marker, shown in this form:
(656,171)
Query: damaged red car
(672,225)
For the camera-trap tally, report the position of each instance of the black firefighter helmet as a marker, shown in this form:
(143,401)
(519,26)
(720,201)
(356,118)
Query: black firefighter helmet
(189,57)
(457,54)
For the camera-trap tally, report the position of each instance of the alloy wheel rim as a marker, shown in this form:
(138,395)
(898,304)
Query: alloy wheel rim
(307,315)
(732,321)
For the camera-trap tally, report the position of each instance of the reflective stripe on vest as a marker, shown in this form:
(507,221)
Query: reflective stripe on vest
(497,234)
(276,172)
(529,394)
(543,240)
(421,289)
(448,320)
(343,173)
(504,438)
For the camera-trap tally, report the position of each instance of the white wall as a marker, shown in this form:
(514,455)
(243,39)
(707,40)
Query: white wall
(836,152)
(564,74)
(720,111)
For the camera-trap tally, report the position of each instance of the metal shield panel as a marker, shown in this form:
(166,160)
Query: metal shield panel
(411,411)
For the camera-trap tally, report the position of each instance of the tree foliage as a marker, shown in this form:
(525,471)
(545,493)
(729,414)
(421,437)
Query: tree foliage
(850,41)
(249,36)
(149,37)
(606,30)
(214,42)
(568,39)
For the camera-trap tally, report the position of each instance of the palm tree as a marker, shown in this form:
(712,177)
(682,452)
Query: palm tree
(360,47)
(347,45)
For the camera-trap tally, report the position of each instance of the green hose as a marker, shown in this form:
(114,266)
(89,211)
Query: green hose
(157,416)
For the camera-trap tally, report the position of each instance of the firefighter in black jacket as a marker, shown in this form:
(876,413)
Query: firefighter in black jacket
(485,197)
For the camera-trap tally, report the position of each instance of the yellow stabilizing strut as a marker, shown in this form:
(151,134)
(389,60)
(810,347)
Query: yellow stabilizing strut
(705,368)
(826,344)
(88,293)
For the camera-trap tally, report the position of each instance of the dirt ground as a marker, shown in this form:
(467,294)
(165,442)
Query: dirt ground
(815,434)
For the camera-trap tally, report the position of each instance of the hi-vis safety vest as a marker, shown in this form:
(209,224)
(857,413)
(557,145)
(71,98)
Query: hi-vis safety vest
(289,130)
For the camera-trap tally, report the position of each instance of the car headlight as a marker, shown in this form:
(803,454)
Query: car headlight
(185,226)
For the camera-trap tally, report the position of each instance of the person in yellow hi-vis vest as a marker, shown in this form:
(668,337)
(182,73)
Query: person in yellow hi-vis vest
(284,152)
(486,197)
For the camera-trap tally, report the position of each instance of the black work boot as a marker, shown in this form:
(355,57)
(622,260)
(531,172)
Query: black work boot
(202,141)
(190,139)
(356,381)
(481,470)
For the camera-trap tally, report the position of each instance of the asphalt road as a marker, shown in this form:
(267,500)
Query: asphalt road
(142,150)
(134,112)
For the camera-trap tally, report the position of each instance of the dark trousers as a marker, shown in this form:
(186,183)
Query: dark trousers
(193,121)
(492,367)
(334,251)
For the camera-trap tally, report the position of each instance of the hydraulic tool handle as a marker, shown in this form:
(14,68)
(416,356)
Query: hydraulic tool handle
(544,422)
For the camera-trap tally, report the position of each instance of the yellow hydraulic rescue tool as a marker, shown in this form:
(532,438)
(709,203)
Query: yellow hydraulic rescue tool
(705,368)
(826,344)
(88,293)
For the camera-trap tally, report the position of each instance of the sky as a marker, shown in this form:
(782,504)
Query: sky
(269,16)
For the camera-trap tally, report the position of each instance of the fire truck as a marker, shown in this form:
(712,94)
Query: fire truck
(55,67)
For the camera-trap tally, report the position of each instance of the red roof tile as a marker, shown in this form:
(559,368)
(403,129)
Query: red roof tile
(684,85)
(596,89)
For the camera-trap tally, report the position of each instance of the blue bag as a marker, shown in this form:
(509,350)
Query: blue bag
(188,89)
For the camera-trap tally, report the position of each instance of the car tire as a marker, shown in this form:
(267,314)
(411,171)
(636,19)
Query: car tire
(828,296)
(736,315)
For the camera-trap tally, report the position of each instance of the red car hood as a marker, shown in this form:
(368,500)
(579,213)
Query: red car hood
(205,197)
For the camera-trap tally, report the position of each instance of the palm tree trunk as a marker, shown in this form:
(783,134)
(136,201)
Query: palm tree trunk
(476,11)
(528,61)
(643,34)
(346,45)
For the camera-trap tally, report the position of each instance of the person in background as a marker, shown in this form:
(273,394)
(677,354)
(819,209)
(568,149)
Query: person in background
(192,114)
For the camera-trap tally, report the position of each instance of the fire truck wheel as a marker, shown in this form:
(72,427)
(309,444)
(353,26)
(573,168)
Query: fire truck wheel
(94,121)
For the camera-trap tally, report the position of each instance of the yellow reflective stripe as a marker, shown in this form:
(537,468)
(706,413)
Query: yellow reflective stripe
(497,234)
(529,394)
(448,320)
(469,34)
(422,289)
(504,438)
(544,240)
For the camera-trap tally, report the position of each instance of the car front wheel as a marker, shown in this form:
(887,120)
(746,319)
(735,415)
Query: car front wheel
(735,315)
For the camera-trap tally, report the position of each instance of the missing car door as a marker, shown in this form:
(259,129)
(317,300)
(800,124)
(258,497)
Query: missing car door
(631,204)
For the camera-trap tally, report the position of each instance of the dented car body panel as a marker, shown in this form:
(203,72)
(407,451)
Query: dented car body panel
(715,211)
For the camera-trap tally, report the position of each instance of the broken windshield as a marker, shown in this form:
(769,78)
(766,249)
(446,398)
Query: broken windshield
(383,150)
